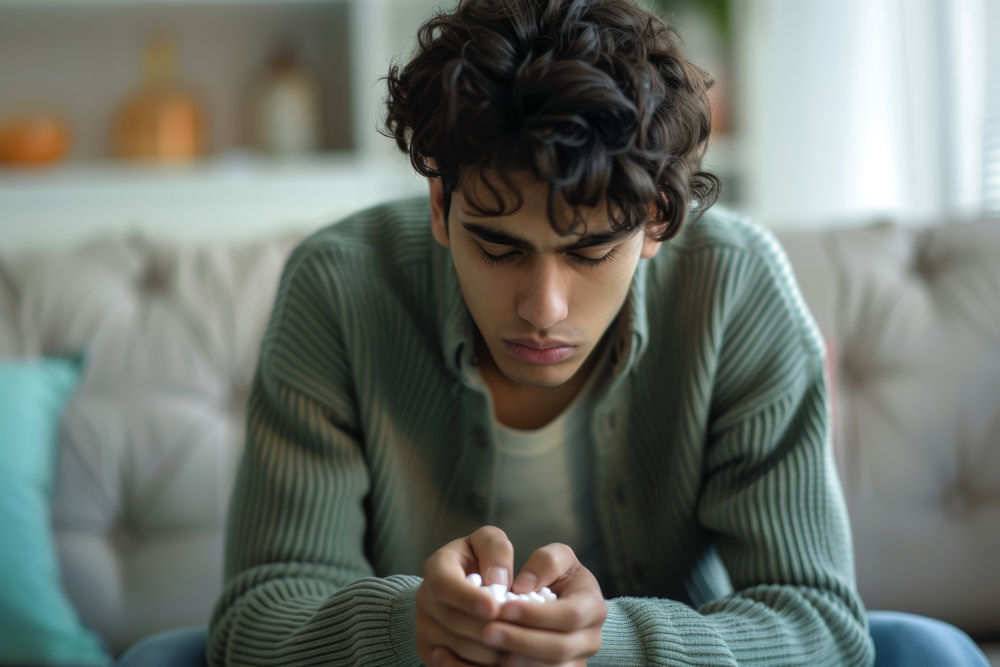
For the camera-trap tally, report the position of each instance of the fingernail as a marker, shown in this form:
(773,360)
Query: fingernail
(526,581)
(497,575)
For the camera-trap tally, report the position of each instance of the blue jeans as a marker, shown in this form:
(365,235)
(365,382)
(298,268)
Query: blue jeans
(900,639)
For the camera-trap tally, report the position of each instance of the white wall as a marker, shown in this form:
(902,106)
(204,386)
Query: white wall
(857,108)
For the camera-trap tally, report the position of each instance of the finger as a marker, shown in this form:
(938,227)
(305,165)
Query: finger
(444,580)
(457,621)
(521,661)
(542,645)
(566,615)
(494,554)
(508,660)
(546,566)
(442,657)
(471,650)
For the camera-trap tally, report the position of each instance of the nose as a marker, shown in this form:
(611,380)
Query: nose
(543,300)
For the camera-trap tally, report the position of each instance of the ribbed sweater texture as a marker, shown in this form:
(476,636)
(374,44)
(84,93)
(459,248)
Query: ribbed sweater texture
(720,511)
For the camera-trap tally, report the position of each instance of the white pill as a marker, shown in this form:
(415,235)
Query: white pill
(499,592)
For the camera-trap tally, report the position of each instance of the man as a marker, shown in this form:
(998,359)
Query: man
(555,372)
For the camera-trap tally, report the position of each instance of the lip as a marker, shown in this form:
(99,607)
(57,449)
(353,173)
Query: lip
(533,351)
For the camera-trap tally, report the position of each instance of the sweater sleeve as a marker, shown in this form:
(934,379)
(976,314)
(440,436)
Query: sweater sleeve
(770,500)
(299,588)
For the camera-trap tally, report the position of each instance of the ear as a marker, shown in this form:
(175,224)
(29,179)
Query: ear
(439,224)
(650,246)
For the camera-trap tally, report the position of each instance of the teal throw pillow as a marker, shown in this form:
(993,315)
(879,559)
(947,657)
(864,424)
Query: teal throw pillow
(38,625)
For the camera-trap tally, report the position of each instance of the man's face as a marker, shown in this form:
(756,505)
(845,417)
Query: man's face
(541,301)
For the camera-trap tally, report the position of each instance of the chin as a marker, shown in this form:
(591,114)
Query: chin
(544,377)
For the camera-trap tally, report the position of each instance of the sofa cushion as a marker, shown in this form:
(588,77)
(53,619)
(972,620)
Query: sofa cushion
(38,624)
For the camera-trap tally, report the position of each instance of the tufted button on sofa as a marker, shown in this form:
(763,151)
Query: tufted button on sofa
(170,335)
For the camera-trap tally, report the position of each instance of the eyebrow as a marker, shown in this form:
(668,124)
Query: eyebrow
(491,235)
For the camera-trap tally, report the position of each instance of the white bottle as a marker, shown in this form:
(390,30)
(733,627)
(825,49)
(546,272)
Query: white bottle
(286,108)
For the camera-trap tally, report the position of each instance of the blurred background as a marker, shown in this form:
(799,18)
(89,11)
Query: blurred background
(227,119)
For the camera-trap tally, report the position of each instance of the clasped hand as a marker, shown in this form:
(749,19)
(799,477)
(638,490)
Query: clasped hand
(459,623)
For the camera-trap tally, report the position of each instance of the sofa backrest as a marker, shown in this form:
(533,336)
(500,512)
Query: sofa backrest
(912,320)
(151,440)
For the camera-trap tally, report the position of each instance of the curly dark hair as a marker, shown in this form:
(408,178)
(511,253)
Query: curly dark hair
(591,96)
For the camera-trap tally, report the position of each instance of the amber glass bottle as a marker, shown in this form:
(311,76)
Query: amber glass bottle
(160,121)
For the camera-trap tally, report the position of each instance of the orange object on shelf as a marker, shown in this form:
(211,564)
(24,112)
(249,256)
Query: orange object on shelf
(33,140)
(161,122)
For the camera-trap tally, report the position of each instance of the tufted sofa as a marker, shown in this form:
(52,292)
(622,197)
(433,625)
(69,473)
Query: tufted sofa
(150,441)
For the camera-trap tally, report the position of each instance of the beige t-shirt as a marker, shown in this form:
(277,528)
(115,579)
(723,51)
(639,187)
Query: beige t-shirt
(543,480)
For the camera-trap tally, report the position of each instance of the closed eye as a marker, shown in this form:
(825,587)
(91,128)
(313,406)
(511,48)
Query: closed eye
(593,261)
(498,258)
(494,258)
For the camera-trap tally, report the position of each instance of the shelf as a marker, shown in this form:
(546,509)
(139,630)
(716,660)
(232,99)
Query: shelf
(222,47)
(236,166)
(88,4)
(222,51)
(235,196)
